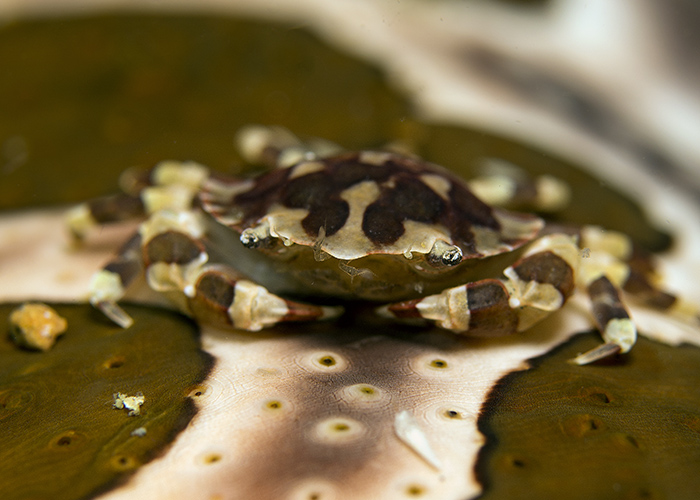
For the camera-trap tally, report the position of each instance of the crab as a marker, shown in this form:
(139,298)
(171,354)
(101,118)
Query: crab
(327,227)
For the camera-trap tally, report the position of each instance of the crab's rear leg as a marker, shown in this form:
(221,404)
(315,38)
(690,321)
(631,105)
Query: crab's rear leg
(90,214)
(535,286)
(612,320)
(632,269)
(277,147)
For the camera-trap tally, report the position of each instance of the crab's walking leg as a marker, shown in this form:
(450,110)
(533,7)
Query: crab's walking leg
(108,284)
(175,259)
(223,298)
(278,147)
(93,213)
(216,294)
(508,186)
(631,269)
(612,320)
(169,185)
(536,285)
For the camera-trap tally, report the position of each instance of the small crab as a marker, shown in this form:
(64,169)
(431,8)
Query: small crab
(331,227)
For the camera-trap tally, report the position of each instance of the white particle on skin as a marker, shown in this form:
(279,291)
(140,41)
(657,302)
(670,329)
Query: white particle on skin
(407,429)
(131,403)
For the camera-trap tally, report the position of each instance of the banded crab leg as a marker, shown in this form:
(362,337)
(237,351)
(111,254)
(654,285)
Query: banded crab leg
(634,271)
(216,294)
(175,260)
(629,267)
(506,185)
(163,239)
(277,147)
(612,320)
(223,298)
(168,185)
(109,284)
(535,286)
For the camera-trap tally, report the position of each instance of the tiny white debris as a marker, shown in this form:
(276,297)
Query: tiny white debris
(140,432)
(131,403)
(408,431)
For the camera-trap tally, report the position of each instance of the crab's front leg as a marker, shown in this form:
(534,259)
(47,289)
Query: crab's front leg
(110,283)
(535,286)
(175,261)
(221,297)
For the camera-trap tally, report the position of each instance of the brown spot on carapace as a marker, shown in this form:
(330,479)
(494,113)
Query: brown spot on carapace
(407,198)
(403,196)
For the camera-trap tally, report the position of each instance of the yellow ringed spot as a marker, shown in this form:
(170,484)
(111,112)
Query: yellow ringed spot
(363,394)
(452,414)
(327,361)
(114,363)
(273,405)
(276,407)
(338,430)
(323,362)
(198,391)
(313,489)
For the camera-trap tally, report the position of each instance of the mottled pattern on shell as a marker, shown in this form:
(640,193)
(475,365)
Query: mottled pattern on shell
(356,204)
